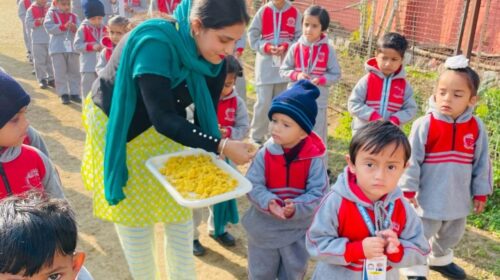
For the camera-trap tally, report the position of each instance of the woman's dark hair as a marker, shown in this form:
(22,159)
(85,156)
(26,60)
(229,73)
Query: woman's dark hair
(393,41)
(471,76)
(375,136)
(321,13)
(233,66)
(217,14)
(33,228)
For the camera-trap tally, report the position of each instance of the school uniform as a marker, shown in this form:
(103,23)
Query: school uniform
(164,6)
(22,7)
(76,8)
(65,58)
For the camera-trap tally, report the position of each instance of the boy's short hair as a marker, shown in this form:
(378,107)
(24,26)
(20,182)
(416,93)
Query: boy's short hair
(33,228)
(395,41)
(233,66)
(375,136)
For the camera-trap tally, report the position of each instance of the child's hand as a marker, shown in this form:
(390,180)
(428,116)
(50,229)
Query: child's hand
(373,247)
(276,210)
(392,240)
(280,50)
(413,201)
(289,209)
(479,206)
(97,47)
(315,81)
(273,50)
(303,76)
(223,132)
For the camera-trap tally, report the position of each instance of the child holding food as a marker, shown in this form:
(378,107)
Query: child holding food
(289,179)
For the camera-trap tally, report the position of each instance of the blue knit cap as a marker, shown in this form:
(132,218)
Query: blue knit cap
(299,103)
(12,98)
(92,8)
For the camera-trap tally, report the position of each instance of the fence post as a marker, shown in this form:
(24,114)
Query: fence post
(473,25)
(458,49)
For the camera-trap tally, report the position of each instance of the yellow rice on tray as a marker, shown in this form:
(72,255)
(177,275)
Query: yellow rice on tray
(197,177)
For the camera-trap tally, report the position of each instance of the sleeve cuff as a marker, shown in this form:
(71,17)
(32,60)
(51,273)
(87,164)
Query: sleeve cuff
(396,257)
(284,44)
(354,251)
(481,198)
(409,194)
(267,48)
(89,47)
(293,75)
(394,120)
(322,81)
(375,116)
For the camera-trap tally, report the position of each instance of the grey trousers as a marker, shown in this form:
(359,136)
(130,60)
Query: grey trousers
(88,79)
(443,236)
(42,61)
(198,217)
(286,263)
(66,73)
(260,122)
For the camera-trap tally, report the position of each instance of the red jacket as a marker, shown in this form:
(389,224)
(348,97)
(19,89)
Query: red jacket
(288,21)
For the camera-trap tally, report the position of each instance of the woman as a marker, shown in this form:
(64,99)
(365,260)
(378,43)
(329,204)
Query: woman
(137,111)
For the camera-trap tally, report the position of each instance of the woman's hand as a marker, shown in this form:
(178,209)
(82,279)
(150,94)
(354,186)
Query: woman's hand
(237,151)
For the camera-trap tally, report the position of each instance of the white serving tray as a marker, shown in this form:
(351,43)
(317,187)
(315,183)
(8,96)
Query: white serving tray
(155,163)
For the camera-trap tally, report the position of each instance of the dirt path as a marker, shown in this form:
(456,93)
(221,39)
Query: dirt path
(62,130)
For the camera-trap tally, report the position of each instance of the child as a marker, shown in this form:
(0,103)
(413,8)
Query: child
(232,116)
(38,239)
(21,167)
(164,6)
(40,43)
(274,28)
(77,8)
(62,25)
(383,93)
(240,84)
(364,220)
(88,42)
(117,27)
(22,7)
(449,166)
(133,7)
(312,58)
(289,179)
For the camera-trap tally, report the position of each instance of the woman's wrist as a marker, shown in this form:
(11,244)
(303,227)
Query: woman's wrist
(222,145)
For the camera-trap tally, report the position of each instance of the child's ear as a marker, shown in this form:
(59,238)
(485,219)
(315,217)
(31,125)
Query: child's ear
(350,165)
(78,260)
(473,100)
(407,164)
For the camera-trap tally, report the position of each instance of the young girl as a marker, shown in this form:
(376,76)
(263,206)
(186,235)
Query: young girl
(164,6)
(449,166)
(233,122)
(274,28)
(117,27)
(61,25)
(312,58)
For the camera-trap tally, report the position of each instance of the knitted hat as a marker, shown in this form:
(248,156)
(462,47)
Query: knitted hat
(12,98)
(299,103)
(93,8)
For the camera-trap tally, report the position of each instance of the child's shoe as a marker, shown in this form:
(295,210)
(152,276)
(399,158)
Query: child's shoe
(451,270)
(51,83)
(225,239)
(76,99)
(43,84)
(65,99)
(198,249)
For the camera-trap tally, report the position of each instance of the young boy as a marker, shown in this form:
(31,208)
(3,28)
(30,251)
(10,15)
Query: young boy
(62,25)
(383,93)
(449,166)
(88,42)
(40,43)
(21,167)
(38,239)
(289,179)
(364,222)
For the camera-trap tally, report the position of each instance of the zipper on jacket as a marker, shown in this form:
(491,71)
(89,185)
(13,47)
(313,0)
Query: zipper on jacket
(453,135)
(287,166)
(5,180)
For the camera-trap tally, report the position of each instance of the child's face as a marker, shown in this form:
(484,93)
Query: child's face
(378,174)
(62,268)
(453,95)
(389,61)
(285,131)
(311,27)
(14,131)
(278,3)
(64,5)
(96,21)
(228,85)
(116,33)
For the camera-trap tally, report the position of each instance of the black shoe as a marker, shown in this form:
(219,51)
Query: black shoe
(51,83)
(225,239)
(65,99)
(416,278)
(451,270)
(33,72)
(76,99)
(43,84)
(198,249)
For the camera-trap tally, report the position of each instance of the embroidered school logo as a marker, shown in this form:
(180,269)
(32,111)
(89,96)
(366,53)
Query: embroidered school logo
(398,92)
(33,178)
(321,57)
(230,114)
(469,141)
(290,22)
(395,226)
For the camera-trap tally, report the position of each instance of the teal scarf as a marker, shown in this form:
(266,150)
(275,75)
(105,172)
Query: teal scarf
(158,47)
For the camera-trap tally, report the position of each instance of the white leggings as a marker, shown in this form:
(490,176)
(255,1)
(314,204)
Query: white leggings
(138,244)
